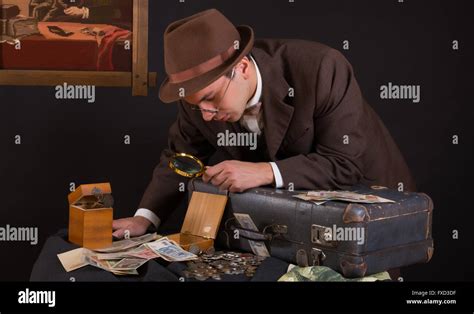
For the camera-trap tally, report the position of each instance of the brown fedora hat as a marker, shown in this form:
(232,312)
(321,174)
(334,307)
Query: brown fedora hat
(198,50)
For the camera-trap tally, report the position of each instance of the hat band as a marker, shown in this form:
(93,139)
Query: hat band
(202,68)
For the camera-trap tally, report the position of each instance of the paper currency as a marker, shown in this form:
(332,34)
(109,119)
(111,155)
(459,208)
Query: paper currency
(111,265)
(74,259)
(258,247)
(128,243)
(170,251)
(141,252)
(129,264)
(144,252)
(122,258)
(129,258)
(126,267)
(320,197)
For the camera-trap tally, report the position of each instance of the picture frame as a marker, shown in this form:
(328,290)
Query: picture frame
(139,79)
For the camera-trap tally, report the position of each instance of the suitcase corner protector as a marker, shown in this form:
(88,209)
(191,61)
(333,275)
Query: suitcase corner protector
(355,213)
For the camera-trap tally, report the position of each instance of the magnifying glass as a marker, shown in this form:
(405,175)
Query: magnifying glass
(186,165)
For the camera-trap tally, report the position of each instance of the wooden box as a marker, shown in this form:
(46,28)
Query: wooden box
(202,221)
(91,216)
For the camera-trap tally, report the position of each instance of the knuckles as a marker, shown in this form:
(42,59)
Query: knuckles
(228,179)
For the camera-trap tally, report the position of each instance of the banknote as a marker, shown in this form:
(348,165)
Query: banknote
(128,243)
(320,197)
(323,273)
(111,265)
(73,259)
(122,258)
(141,252)
(125,272)
(258,247)
(129,264)
(126,266)
(170,250)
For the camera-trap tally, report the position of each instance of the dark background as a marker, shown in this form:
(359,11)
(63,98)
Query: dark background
(67,141)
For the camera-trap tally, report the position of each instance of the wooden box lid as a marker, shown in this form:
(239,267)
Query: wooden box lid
(204,215)
(86,190)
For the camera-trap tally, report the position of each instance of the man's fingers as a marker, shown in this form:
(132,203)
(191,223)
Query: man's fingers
(234,189)
(218,179)
(119,223)
(119,233)
(211,172)
(224,186)
(207,175)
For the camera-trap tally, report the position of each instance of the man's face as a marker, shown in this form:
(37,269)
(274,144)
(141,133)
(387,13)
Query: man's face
(227,96)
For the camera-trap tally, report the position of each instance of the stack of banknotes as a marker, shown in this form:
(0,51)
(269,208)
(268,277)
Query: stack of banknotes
(126,256)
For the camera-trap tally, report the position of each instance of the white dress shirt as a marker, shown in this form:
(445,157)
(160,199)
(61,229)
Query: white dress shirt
(255,123)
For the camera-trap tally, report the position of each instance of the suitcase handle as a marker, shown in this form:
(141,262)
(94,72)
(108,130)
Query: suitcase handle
(275,231)
(246,233)
(250,234)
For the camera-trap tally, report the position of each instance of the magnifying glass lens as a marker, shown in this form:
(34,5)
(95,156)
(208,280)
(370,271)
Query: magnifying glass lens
(186,165)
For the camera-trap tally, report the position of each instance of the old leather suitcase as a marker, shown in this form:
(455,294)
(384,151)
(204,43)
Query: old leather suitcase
(394,234)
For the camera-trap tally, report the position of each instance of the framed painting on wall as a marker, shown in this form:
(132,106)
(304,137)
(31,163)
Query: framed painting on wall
(81,42)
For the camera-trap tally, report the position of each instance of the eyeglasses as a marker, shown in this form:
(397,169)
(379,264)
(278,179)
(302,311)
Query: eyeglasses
(215,111)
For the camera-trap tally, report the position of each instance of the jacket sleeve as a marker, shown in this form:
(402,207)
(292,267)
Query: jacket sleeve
(163,192)
(340,138)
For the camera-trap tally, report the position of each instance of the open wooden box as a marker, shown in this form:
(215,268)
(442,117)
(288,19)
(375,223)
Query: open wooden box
(91,216)
(202,221)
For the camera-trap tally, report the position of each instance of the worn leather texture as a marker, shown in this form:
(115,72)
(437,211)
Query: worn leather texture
(394,234)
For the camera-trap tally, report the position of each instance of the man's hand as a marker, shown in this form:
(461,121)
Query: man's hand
(136,226)
(238,176)
(74,11)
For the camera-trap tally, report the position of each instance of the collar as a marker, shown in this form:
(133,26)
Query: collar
(258,93)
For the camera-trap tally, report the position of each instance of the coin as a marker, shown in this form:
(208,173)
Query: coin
(212,265)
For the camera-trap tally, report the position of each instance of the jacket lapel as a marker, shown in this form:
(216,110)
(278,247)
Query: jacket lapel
(276,113)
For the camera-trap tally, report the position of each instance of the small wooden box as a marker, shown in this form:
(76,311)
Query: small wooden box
(202,221)
(91,216)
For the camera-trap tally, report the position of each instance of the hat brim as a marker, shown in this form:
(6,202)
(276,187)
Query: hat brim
(170,92)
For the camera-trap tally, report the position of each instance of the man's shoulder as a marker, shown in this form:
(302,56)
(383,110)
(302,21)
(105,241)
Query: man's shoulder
(297,58)
(292,47)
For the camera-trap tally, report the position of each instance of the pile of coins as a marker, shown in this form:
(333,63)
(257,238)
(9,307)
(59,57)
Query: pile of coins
(222,263)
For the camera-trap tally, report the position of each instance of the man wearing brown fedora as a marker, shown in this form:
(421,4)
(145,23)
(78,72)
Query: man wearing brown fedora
(300,98)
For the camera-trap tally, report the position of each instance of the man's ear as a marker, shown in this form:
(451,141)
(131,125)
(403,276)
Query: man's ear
(244,67)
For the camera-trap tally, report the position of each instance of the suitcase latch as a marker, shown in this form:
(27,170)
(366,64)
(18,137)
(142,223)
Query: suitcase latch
(275,230)
(278,232)
(319,236)
(280,229)
(318,256)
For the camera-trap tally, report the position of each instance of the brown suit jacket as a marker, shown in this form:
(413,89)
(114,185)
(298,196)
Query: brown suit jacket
(324,137)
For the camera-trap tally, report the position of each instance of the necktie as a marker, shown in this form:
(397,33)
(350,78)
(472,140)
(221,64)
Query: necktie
(250,118)
(253,110)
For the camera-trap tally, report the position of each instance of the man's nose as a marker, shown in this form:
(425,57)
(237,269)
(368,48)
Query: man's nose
(207,116)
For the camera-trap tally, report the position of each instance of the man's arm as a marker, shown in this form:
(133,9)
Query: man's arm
(340,132)
(163,192)
(341,137)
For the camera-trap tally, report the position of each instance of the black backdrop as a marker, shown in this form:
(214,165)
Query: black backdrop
(407,42)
